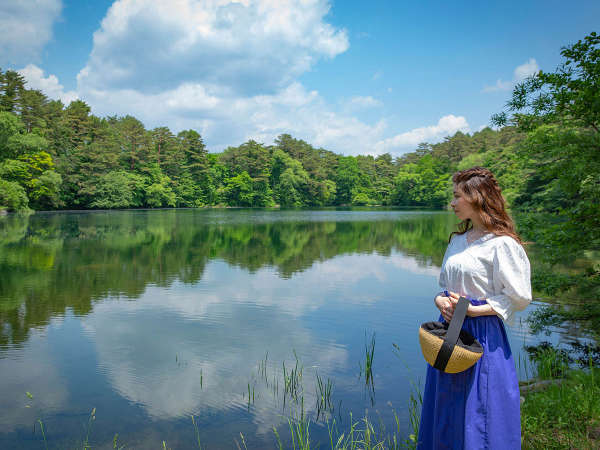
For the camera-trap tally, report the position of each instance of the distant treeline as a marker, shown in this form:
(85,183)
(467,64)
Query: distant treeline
(54,156)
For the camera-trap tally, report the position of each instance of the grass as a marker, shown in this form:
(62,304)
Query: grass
(549,362)
(415,402)
(361,434)
(564,415)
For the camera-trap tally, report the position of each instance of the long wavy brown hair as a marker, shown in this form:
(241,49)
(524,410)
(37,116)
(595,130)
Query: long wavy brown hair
(480,188)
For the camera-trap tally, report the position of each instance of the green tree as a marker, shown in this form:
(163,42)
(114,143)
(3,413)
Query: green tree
(76,119)
(10,125)
(422,184)
(13,196)
(116,189)
(289,179)
(33,109)
(160,193)
(12,85)
(568,96)
(134,141)
(197,165)
(561,111)
(238,190)
(348,176)
(254,159)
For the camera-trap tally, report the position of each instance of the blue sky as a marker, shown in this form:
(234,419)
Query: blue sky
(351,76)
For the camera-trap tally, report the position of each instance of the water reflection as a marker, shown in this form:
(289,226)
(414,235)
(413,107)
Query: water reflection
(53,262)
(151,316)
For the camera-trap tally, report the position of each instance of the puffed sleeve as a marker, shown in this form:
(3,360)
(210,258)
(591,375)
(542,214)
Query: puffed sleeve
(511,278)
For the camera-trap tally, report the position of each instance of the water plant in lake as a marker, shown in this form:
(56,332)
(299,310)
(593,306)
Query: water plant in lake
(251,390)
(362,434)
(415,403)
(196,432)
(549,362)
(91,419)
(367,370)
(299,433)
(323,395)
(116,443)
(243,442)
(43,433)
(293,380)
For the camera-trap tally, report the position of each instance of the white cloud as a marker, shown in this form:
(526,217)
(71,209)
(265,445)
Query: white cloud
(362,102)
(520,73)
(230,120)
(446,126)
(48,85)
(526,69)
(25,28)
(245,47)
(499,86)
(226,68)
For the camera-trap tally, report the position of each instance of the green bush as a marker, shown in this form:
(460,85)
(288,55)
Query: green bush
(13,196)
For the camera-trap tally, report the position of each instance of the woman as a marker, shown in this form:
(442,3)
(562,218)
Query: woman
(485,262)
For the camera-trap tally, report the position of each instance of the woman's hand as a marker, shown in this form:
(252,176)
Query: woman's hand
(445,305)
(472,310)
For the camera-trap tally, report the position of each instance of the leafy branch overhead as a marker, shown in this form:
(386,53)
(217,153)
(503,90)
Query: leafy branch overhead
(568,96)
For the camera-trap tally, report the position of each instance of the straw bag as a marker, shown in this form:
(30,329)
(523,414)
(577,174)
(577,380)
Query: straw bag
(447,347)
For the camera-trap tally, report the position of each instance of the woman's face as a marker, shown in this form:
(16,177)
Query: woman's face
(462,208)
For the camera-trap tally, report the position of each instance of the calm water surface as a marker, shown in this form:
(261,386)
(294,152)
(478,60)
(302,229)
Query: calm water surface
(154,316)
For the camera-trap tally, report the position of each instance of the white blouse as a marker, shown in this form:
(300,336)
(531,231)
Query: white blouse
(492,267)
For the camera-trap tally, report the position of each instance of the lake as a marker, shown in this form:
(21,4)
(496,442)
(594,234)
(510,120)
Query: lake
(154,316)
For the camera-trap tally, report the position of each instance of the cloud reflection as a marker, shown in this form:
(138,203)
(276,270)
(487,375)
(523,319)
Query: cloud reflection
(154,350)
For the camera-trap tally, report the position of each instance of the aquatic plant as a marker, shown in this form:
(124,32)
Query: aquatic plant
(116,443)
(323,395)
(196,432)
(367,370)
(43,433)
(91,419)
(293,379)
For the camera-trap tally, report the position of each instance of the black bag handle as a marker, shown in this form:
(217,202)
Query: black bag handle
(452,334)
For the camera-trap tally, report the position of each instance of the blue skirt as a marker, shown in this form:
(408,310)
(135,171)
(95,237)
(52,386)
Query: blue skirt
(478,408)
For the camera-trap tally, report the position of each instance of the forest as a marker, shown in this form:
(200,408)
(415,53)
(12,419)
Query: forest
(55,156)
(544,150)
